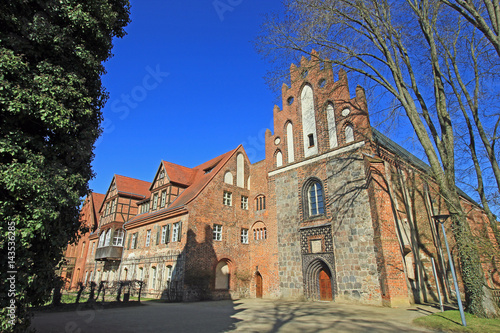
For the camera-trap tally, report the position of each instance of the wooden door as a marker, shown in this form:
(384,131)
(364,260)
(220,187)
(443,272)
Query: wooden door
(325,286)
(258,286)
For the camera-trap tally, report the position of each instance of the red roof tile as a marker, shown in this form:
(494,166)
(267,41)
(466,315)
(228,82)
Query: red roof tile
(127,185)
(179,174)
(200,177)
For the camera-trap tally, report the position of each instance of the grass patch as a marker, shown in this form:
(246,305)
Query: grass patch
(449,321)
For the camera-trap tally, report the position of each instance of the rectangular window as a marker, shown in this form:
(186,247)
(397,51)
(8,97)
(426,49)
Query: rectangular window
(176,232)
(163,198)
(311,140)
(244,236)
(227,200)
(113,207)
(83,250)
(107,208)
(155,201)
(148,237)
(244,202)
(165,234)
(93,248)
(217,232)
(134,241)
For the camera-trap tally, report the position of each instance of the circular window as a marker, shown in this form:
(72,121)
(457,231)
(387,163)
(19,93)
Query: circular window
(277,141)
(346,112)
(322,83)
(290,100)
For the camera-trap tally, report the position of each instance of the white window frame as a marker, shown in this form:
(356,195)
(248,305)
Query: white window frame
(118,237)
(175,232)
(163,199)
(107,239)
(153,277)
(217,232)
(155,201)
(227,199)
(134,241)
(244,202)
(164,234)
(244,236)
(148,237)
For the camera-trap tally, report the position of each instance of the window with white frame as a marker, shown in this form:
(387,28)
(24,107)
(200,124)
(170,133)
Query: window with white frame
(93,248)
(217,232)
(107,209)
(176,232)
(227,199)
(108,238)
(134,241)
(169,273)
(153,277)
(315,199)
(101,239)
(244,236)
(244,202)
(148,237)
(165,234)
(163,198)
(118,237)
(155,201)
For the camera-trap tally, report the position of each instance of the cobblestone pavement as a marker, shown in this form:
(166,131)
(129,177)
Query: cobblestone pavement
(246,315)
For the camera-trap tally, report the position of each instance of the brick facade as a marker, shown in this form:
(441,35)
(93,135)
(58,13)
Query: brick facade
(335,211)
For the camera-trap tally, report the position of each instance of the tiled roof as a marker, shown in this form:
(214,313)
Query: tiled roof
(381,139)
(127,185)
(97,200)
(200,176)
(179,174)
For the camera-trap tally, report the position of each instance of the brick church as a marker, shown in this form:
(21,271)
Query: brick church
(336,211)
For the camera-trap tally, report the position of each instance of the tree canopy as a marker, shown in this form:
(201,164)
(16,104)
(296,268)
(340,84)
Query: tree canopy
(51,95)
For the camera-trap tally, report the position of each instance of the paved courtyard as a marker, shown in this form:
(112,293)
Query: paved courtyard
(247,315)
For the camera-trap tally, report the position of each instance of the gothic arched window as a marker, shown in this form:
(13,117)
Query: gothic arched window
(314,198)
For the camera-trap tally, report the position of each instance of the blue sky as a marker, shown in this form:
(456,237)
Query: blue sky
(185,85)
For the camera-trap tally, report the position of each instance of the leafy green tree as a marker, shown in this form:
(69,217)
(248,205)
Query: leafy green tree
(51,62)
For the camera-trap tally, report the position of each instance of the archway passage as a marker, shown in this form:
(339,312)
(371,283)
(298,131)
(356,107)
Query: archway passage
(258,285)
(325,285)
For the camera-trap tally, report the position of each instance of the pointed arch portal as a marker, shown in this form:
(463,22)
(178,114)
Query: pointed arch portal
(319,281)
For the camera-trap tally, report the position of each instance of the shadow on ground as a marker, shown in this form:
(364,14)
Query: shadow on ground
(247,315)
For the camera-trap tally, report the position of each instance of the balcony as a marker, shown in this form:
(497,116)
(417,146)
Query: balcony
(109,253)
